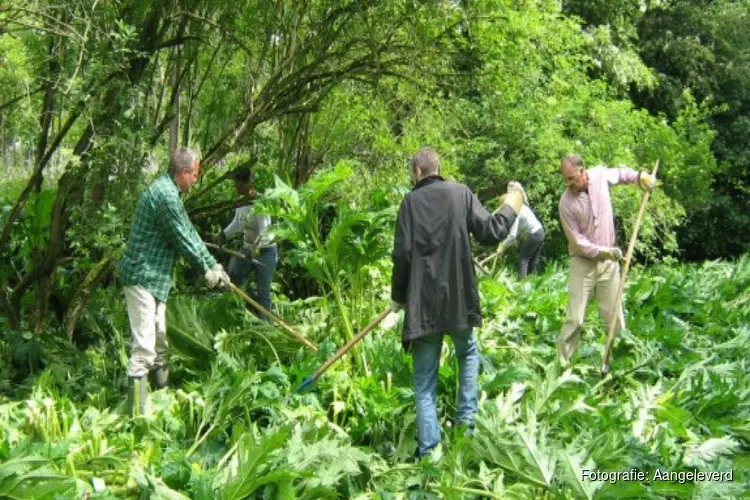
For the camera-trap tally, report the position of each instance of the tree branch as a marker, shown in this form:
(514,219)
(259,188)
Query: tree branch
(22,96)
(180,40)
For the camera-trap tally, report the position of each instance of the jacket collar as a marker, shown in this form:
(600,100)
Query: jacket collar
(431,179)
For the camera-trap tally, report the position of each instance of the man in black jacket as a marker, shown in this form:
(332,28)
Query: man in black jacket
(433,280)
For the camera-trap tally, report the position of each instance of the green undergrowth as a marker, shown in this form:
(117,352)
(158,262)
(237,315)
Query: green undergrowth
(231,426)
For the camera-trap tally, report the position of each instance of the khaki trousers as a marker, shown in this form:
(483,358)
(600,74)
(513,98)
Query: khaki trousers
(148,327)
(588,276)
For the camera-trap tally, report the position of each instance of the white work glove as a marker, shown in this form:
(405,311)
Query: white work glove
(646,181)
(517,186)
(613,253)
(395,306)
(216,276)
(514,197)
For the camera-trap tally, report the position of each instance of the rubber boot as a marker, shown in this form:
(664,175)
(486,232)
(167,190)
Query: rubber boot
(137,394)
(158,377)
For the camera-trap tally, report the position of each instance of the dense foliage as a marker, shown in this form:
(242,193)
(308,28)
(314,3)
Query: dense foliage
(234,427)
(95,95)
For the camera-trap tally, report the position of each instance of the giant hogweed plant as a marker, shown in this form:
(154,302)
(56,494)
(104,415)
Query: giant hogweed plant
(679,400)
(348,256)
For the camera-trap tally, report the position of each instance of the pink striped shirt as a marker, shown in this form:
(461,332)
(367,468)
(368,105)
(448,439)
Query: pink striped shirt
(587,218)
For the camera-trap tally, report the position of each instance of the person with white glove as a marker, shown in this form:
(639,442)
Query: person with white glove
(216,276)
(528,232)
(161,232)
(586,216)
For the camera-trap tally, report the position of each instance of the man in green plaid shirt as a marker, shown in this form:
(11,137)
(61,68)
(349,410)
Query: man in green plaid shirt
(160,233)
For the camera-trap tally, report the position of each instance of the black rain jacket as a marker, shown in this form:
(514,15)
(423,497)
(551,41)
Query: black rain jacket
(433,274)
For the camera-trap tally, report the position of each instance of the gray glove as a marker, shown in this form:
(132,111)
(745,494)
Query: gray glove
(216,276)
(395,306)
(613,253)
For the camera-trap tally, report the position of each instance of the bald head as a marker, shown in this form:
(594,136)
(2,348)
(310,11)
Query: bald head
(573,172)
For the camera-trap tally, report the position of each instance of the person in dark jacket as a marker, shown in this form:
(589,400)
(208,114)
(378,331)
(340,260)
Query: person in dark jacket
(433,280)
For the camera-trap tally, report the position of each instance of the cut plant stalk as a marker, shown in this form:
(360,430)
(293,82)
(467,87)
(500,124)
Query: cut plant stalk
(626,266)
(276,319)
(343,350)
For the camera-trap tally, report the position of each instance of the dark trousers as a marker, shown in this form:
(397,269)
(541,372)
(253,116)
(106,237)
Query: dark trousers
(531,248)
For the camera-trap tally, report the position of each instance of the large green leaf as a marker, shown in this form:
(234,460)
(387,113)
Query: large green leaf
(255,461)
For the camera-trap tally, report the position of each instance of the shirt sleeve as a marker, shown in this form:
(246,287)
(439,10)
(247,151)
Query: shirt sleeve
(487,228)
(235,226)
(574,236)
(513,234)
(183,235)
(402,246)
(620,175)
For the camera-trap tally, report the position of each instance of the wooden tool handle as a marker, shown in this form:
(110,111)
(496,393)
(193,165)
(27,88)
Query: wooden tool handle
(343,349)
(625,268)
(275,318)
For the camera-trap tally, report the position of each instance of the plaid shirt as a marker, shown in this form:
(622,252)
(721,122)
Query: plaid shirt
(161,231)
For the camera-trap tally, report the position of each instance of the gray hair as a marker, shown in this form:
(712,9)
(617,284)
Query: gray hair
(426,160)
(182,158)
(572,159)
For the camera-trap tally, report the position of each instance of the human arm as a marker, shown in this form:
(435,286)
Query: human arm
(180,231)
(491,229)
(235,227)
(512,235)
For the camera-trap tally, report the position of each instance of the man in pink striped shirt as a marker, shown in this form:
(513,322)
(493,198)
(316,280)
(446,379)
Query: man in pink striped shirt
(587,219)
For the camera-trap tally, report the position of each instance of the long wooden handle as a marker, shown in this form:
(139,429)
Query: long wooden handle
(495,254)
(625,268)
(343,349)
(227,251)
(480,266)
(275,318)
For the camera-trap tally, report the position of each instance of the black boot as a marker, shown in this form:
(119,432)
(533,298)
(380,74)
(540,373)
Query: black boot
(158,377)
(137,394)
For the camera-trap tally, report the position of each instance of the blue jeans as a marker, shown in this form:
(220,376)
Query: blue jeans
(426,354)
(264,264)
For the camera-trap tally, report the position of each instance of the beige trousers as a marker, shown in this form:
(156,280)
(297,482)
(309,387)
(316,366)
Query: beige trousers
(148,327)
(588,276)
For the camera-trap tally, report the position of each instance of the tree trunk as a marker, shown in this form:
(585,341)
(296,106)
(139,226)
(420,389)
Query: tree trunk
(70,189)
(85,290)
(73,183)
(174,129)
